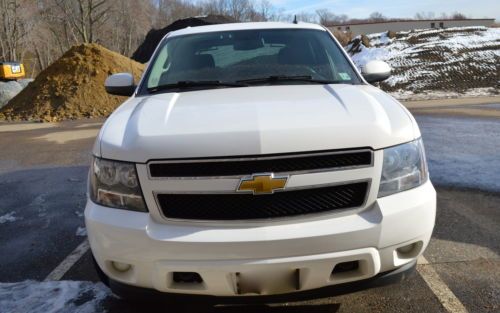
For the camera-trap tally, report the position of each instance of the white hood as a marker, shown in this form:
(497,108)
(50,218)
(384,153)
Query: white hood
(253,121)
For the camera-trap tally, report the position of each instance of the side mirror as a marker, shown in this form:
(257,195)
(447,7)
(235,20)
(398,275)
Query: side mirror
(376,71)
(121,84)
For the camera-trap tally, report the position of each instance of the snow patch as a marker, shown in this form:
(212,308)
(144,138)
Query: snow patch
(52,297)
(369,54)
(379,39)
(39,201)
(427,64)
(9,217)
(442,94)
(81,231)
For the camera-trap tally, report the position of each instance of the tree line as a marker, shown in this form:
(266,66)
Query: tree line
(37,32)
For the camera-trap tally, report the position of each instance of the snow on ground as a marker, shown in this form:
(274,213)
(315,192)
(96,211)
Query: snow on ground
(9,217)
(81,231)
(462,151)
(453,62)
(443,94)
(379,39)
(52,297)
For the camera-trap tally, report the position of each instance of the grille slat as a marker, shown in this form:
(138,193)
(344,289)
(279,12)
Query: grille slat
(267,164)
(247,206)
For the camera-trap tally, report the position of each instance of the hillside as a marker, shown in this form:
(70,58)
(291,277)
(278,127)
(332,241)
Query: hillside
(437,63)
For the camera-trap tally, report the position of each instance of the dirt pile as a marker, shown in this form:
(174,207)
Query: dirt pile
(72,87)
(356,44)
(343,37)
(154,36)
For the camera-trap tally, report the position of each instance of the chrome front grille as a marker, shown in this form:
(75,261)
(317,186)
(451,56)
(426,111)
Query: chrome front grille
(205,189)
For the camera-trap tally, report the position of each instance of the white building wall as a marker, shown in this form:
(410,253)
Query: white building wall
(397,26)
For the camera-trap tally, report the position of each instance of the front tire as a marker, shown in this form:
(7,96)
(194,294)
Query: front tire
(102,276)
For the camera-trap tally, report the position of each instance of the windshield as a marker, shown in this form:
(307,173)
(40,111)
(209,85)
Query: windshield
(249,57)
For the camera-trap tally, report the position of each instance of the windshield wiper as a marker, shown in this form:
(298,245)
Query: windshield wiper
(301,78)
(190,84)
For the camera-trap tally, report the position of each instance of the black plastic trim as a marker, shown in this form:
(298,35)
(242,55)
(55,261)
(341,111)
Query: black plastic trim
(246,165)
(246,206)
(126,91)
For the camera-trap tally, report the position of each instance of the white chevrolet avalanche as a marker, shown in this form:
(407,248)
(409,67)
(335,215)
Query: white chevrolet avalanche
(253,160)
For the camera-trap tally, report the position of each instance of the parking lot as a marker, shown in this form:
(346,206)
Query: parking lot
(45,262)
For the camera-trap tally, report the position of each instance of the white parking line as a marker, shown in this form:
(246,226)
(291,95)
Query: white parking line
(447,298)
(68,262)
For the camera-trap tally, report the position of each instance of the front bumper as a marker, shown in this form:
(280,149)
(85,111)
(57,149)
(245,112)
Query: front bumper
(382,279)
(222,255)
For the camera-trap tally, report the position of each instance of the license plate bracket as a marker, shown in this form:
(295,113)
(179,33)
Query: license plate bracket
(267,282)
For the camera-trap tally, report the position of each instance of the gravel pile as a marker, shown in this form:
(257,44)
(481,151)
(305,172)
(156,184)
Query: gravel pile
(10,89)
(72,87)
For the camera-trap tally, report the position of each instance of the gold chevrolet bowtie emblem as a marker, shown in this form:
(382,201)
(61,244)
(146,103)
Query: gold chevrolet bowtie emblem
(262,184)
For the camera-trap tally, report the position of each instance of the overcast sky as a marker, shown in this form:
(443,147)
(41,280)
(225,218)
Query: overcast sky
(395,8)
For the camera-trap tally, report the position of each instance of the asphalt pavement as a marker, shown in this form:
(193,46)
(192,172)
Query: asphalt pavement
(43,171)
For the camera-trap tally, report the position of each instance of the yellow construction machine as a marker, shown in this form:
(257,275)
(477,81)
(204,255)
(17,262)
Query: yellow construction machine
(11,71)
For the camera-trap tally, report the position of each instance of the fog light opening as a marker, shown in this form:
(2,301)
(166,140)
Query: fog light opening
(345,267)
(406,249)
(121,267)
(187,277)
(410,250)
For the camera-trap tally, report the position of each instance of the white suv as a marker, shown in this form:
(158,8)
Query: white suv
(253,159)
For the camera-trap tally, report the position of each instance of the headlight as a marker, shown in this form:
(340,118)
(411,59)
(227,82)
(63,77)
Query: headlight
(404,168)
(115,184)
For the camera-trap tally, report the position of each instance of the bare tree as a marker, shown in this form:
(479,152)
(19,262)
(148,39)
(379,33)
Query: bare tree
(307,17)
(444,16)
(85,17)
(119,25)
(171,10)
(128,23)
(265,11)
(458,16)
(240,10)
(13,30)
(326,17)
(377,17)
(425,16)
(45,29)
